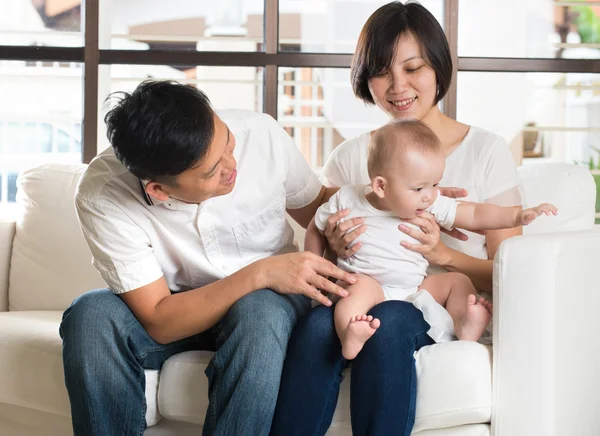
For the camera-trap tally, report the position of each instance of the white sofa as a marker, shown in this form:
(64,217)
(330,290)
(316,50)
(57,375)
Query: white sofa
(543,377)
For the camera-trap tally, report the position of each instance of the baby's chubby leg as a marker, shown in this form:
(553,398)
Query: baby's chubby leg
(456,292)
(352,324)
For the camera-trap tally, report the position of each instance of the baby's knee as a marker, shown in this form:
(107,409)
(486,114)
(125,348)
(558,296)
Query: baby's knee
(365,285)
(459,279)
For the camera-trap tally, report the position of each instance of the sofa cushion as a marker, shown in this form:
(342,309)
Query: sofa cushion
(31,368)
(454,387)
(569,187)
(50,263)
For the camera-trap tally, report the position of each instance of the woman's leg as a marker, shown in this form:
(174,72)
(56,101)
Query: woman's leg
(311,378)
(384,380)
(352,325)
(456,293)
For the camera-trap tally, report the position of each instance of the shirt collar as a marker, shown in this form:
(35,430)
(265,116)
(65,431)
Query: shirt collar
(169,203)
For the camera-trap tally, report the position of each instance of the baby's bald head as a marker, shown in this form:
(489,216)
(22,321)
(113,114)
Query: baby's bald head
(389,144)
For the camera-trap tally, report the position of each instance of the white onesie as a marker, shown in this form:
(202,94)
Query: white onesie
(399,271)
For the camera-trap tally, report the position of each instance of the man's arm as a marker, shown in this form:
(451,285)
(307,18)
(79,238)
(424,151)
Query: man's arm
(303,215)
(168,317)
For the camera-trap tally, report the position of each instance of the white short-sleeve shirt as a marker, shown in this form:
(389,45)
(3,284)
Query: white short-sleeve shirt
(381,255)
(482,164)
(135,240)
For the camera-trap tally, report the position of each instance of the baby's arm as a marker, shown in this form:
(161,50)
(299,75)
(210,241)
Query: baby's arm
(314,240)
(486,216)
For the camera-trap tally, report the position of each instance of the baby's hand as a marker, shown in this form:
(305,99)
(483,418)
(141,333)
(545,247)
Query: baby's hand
(526,216)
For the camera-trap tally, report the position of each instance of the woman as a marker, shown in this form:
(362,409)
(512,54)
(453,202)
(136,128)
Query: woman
(403,65)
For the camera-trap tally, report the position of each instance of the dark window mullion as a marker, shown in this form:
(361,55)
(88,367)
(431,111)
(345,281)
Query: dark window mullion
(271,47)
(90,80)
(451,29)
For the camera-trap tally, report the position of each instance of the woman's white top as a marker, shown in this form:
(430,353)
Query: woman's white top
(482,164)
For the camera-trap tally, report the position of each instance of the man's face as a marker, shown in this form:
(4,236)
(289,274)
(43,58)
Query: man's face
(215,175)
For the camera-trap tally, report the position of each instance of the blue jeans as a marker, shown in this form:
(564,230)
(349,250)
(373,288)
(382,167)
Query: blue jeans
(384,382)
(106,349)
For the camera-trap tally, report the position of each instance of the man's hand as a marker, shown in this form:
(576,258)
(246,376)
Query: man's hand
(303,273)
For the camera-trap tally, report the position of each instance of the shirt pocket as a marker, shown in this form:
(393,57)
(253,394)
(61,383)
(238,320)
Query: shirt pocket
(262,233)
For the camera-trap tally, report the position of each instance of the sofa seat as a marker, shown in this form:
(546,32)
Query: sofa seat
(454,387)
(31,368)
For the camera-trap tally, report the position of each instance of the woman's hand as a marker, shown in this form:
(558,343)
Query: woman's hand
(428,235)
(336,234)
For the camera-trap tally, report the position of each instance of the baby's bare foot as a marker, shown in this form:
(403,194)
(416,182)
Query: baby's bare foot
(473,324)
(359,330)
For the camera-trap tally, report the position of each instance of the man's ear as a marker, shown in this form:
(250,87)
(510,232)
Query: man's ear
(157,190)
(378,184)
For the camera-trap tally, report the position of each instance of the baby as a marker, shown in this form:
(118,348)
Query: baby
(405,164)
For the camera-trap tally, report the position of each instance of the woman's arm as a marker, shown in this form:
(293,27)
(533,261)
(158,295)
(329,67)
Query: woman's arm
(478,270)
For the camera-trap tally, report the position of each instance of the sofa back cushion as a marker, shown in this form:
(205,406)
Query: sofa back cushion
(50,262)
(569,187)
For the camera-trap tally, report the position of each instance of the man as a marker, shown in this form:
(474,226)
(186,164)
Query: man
(185,219)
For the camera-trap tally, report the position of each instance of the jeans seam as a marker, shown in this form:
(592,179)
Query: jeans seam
(213,398)
(412,407)
(327,402)
(144,410)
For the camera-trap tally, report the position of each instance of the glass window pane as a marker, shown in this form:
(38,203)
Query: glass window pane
(543,116)
(12,187)
(224,25)
(50,22)
(331,26)
(319,110)
(64,141)
(37,101)
(538,29)
(226,87)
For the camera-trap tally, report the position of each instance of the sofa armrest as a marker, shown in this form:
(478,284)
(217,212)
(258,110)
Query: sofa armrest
(546,363)
(7,233)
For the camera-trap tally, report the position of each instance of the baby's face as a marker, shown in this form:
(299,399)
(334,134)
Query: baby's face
(413,185)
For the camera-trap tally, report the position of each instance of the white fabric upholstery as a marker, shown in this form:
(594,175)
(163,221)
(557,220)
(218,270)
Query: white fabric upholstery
(571,188)
(546,299)
(454,387)
(31,369)
(7,233)
(546,353)
(51,264)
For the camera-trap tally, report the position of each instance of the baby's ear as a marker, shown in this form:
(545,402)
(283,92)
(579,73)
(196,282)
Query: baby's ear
(378,186)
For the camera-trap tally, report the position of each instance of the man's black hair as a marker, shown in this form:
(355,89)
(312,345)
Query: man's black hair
(161,129)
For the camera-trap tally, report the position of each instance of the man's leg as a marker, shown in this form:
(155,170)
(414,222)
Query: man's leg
(245,373)
(105,351)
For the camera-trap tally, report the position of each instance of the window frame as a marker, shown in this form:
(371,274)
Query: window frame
(91,56)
